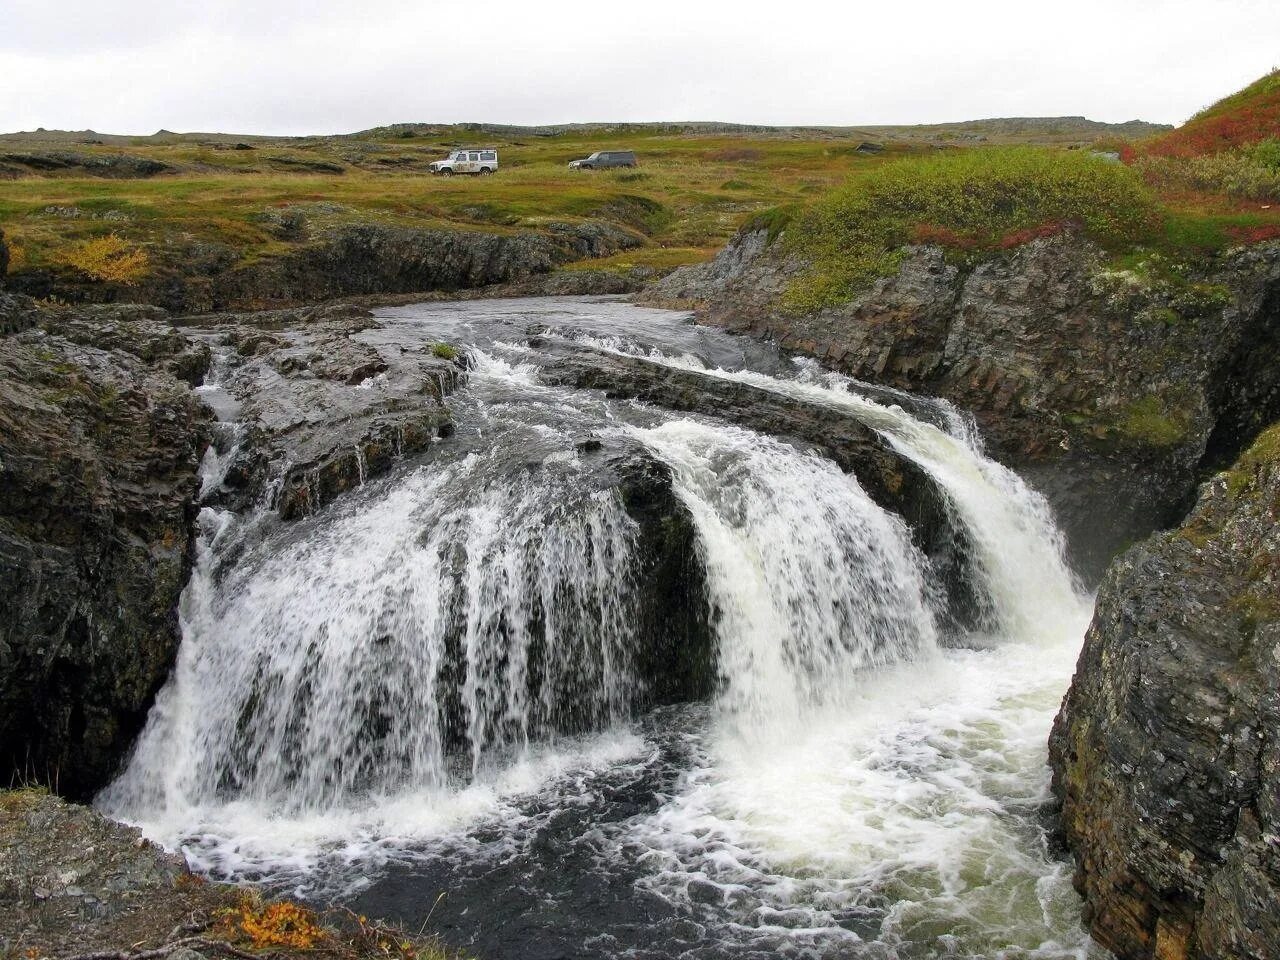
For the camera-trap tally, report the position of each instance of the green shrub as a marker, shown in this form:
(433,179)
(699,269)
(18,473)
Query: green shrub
(1267,153)
(1250,173)
(976,199)
(773,221)
(444,351)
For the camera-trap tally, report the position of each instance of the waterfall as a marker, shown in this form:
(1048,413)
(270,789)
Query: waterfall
(1021,555)
(449,615)
(445,665)
(809,581)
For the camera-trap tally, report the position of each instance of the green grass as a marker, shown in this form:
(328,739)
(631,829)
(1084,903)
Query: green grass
(444,351)
(1263,452)
(970,200)
(691,193)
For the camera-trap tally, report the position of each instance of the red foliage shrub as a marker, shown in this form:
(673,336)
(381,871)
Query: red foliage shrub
(1255,234)
(1018,237)
(935,235)
(1241,119)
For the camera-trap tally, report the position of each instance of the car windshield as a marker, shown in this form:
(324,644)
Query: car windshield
(594,156)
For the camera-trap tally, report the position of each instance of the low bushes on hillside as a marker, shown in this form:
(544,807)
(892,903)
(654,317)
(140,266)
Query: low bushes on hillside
(1247,173)
(977,200)
(1247,117)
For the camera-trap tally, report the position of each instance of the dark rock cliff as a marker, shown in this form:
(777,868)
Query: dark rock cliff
(1102,386)
(99,452)
(1166,754)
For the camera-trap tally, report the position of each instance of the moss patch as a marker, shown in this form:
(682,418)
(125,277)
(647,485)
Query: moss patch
(1154,422)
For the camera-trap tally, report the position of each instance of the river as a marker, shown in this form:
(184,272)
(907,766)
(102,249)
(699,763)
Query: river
(421,702)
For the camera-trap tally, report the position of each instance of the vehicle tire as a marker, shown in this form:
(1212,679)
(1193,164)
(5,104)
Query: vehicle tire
(446,172)
(586,166)
(485,171)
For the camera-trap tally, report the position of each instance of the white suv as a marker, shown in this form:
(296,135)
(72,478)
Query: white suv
(479,161)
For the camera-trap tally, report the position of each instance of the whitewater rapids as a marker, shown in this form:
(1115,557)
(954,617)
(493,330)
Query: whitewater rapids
(856,786)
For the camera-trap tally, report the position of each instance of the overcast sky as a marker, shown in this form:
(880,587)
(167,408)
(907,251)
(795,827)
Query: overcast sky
(292,67)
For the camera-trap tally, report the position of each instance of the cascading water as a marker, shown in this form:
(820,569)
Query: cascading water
(395,698)
(808,580)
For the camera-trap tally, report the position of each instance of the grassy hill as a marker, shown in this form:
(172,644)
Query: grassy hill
(1247,117)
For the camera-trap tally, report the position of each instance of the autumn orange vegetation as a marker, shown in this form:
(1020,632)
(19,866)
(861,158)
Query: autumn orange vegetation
(282,924)
(1244,118)
(110,259)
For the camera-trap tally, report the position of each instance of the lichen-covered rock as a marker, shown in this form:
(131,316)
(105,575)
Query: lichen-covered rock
(98,461)
(1166,754)
(72,881)
(1099,385)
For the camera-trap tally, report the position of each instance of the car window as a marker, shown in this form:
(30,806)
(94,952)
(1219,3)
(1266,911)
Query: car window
(488,156)
(474,156)
(594,156)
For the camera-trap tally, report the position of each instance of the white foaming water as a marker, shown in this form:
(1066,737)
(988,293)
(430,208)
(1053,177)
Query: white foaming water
(897,815)
(393,671)
(809,581)
(1019,547)
(390,670)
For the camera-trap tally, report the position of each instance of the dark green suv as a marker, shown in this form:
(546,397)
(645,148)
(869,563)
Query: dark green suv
(603,159)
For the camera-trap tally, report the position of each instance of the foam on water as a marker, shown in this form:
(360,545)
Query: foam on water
(365,688)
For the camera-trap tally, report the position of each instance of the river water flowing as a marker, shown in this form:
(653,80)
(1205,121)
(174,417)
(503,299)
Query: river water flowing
(420,701)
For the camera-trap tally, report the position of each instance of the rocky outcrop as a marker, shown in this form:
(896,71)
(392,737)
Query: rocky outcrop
(116,166)
(98,459)
(1166,754)
(73,883)
(1098,384)
(318,408)
(348,261)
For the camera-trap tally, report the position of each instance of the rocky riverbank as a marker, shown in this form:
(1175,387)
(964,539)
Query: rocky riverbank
(76,885)
(1099,384)
(102,437)
(99,452)
(1166,754)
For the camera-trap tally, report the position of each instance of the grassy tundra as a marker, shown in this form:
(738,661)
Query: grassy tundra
(860,194)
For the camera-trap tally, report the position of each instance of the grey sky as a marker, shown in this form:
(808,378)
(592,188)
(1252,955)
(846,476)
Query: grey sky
(292,67)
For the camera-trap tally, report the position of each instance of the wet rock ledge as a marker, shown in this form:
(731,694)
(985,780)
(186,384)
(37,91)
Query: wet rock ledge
(102,438)
(1166,754)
